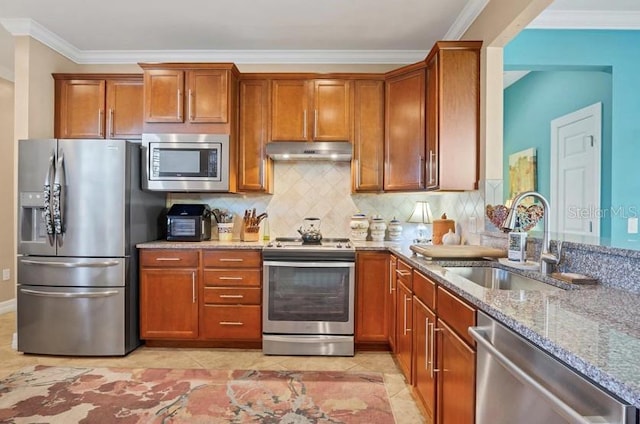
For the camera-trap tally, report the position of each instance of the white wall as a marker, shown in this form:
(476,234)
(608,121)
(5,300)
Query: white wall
(7,214)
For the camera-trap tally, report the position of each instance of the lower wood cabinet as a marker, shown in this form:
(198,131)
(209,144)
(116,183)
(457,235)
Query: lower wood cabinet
(456,378)
(231,295)
(404,328)
(209,295)
(391,302)
(169,294)
(372,286)
(443,352)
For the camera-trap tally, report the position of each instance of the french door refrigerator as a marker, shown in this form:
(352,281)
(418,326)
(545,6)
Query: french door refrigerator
(80,214)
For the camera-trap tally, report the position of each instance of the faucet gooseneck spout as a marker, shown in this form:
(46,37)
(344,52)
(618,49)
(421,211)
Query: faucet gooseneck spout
(546,258)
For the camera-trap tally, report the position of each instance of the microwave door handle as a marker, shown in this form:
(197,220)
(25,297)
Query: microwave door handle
(59,199)
(47,213)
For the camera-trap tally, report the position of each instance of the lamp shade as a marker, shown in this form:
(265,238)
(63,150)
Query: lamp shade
(421,213)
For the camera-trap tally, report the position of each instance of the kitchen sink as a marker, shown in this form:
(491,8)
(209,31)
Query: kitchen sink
(501,279)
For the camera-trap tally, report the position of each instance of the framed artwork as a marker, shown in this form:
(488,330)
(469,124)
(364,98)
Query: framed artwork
(522,172)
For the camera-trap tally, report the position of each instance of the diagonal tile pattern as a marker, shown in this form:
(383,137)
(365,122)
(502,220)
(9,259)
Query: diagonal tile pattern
(404,407)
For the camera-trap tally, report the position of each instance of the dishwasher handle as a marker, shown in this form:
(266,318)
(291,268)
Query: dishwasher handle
(479,333)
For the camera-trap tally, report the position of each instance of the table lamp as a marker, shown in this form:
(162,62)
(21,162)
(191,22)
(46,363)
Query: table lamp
(421,215)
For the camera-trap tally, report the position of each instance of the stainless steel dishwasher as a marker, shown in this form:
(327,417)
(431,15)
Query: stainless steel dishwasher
(517,382)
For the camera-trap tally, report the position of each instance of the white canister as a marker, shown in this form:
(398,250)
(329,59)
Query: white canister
(377,228)
(225,231)
(359,225)
(395,229)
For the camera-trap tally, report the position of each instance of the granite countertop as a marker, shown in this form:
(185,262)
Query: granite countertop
(593,329)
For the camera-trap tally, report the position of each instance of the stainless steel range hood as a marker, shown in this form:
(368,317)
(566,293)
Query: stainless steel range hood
(316,150)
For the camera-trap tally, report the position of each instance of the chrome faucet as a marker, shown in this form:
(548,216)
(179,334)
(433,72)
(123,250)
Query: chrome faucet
(547,259)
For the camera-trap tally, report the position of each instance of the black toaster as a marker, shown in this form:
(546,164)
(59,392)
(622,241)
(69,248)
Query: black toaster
(189,222)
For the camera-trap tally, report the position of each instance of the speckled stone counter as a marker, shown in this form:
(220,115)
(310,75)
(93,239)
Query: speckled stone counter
(209,244)
(593,329)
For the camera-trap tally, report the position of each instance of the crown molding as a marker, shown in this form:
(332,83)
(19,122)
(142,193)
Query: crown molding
(469,13)
(29,27)
(350,57)
(587,19)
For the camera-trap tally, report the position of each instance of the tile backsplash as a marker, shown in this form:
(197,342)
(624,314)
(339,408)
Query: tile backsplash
(323,190)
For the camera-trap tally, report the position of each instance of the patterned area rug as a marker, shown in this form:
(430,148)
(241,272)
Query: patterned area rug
(42,394)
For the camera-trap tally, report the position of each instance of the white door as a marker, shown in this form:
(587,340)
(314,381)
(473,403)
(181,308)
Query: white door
(576,143)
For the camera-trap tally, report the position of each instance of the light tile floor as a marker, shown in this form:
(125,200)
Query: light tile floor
(403,405)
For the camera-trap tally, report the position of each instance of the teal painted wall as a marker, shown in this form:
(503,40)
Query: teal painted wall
(619,52)
(541,96)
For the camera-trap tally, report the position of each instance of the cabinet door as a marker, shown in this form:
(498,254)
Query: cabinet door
(432,124)
(81,109)
(404,338)
(331,110)
(391,302)
(168,303)
(124,109)
(163,95)
(456,379)
(372,272)
(424,351)
(368,136)
(207,96)
(405,132)
(454,90)
(289,110)
(254,169)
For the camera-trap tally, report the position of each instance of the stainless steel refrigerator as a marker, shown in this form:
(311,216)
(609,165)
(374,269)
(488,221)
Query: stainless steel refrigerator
(80,214)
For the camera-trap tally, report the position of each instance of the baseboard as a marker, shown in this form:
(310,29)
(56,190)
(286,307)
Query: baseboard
(7,306)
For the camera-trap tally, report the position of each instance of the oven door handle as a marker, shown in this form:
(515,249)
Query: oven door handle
(305,264)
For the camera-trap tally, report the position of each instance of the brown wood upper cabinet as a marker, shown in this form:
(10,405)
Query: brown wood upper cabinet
(453,113)
(405,129)
(368,136)
(310,110)
(193,98)
(255,170)
(98,106)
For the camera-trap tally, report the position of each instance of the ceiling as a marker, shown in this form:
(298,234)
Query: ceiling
(273,31)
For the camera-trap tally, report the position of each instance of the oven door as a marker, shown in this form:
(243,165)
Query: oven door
(308,298)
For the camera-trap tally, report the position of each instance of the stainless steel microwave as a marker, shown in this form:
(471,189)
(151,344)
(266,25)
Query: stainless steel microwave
(185,162)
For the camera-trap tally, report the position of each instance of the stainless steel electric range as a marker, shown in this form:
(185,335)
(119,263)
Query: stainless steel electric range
(308,295)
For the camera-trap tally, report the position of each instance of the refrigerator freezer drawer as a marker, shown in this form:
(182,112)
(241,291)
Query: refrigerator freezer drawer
(75,272)
(71,321)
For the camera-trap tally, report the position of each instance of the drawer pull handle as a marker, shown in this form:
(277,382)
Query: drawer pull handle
(231,323)
(231,278)
(168,259)
(231,260)
(231,296)
(402,273)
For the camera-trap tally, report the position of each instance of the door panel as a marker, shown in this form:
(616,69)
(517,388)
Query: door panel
(93,198)
(77,272)
(35,158)
(55,320)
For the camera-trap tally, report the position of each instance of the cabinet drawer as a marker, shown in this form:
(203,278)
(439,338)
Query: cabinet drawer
(238,322)
(456,313)
(232,277)
(232,259)
(404,274)
(232,295)
(424,289)
(169,258)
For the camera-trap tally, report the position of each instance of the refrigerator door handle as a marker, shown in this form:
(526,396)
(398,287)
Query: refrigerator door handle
(101,264)
(69,295)
(47,215)
(58,199)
